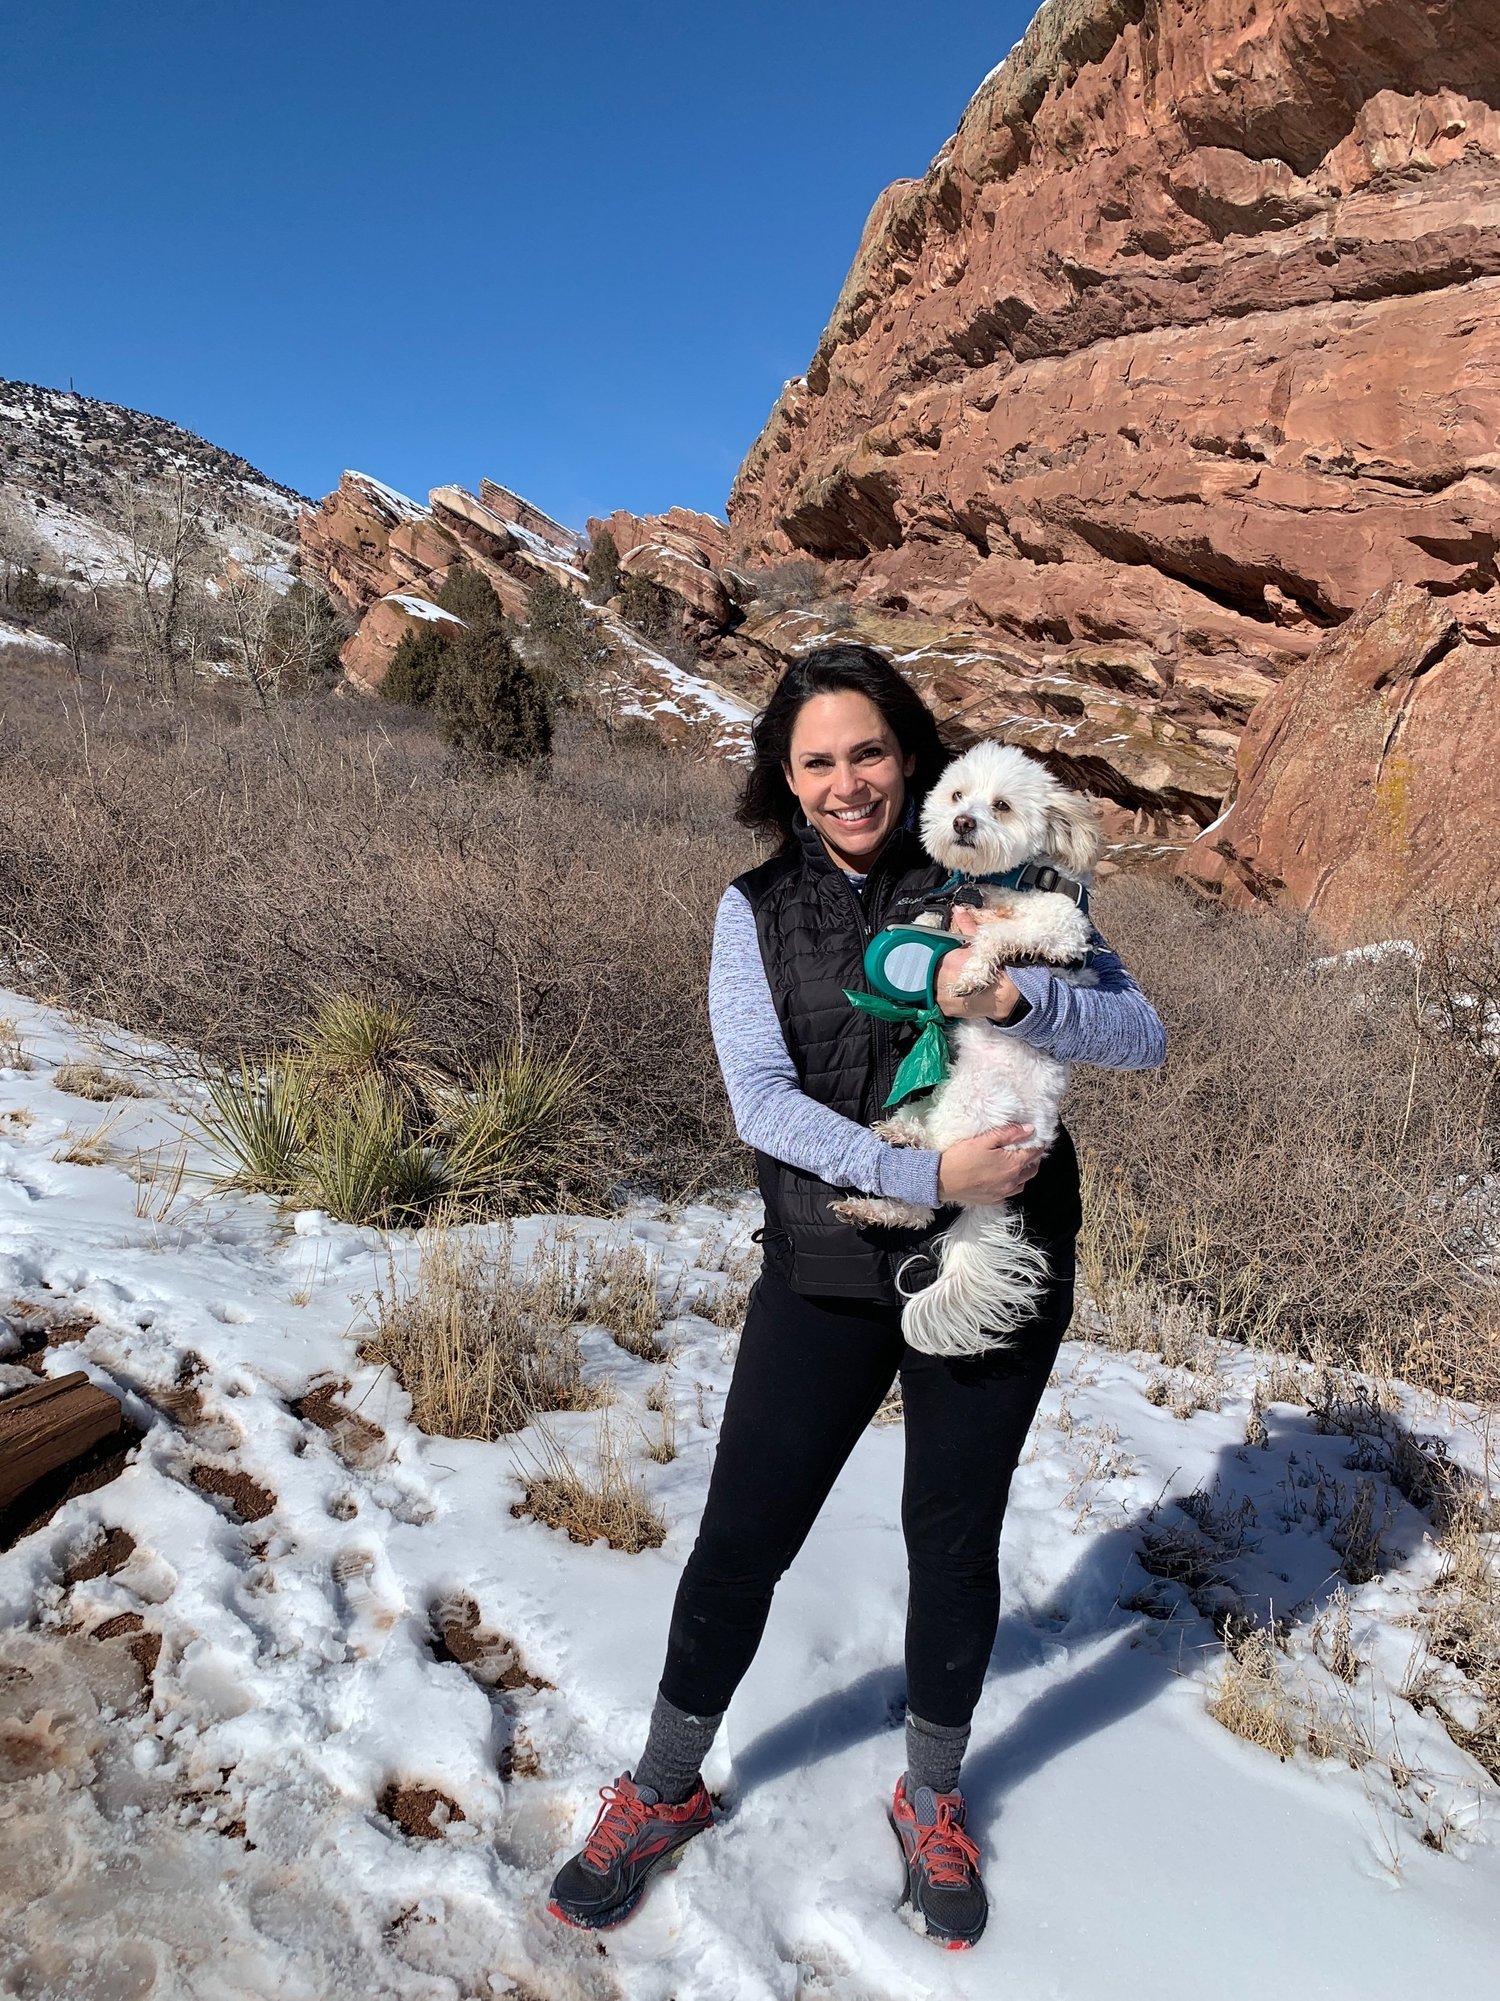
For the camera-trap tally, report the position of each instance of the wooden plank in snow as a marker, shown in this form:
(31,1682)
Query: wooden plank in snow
(49,1426)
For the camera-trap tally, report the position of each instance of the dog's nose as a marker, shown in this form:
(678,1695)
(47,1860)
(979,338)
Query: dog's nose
(964,825)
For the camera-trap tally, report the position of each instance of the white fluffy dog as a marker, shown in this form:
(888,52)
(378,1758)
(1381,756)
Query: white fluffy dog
(991,812)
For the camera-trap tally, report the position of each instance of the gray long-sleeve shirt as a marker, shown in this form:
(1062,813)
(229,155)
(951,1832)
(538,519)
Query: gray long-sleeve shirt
(1111,1024)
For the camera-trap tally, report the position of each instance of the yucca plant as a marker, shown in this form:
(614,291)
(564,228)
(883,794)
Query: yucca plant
(359,1119)
(351,1041)
(364,1165)
(522,1133)
(260,1121)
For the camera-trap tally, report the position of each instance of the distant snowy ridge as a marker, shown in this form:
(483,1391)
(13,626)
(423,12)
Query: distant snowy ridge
(63,457)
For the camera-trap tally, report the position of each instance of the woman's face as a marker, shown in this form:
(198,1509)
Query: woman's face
(848,774)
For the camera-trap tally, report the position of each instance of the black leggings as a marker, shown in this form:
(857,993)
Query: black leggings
(809,1377)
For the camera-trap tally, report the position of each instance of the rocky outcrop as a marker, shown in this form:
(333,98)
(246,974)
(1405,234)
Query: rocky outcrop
(388,557)
(347,538)
(1367,785)
(368,653)
(1186,344)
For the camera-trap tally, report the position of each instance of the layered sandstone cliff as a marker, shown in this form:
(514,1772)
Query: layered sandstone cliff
(1367,788)
(1185,345)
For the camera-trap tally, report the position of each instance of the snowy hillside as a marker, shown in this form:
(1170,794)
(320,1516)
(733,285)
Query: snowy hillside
(353,1637)
(63,457)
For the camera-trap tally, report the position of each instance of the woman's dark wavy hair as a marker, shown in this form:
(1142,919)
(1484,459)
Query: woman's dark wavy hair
(767,804)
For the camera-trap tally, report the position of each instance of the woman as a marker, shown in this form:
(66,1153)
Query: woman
(842,757)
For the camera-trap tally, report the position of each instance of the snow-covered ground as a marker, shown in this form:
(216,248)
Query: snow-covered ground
(227,1840)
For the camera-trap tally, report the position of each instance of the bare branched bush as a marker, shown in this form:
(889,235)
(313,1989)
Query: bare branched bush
(1304,1168)
(478,1347)
(795,585)
(189,875)
(14,1054)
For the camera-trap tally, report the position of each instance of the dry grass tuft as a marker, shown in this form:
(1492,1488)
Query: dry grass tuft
(92,1080)
(727,1305)
(613,1285)
(13,1052)
(1463,1629)
(622,1292)
(606,1501)
(1333,1637)
(479,1349)
(1252,1698)
(892,1410)
(659,1399)
(88,1149)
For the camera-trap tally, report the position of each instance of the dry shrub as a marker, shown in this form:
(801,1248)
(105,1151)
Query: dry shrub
(1304,1166)
(607,1500)
(13,1051)
(193,875)
(479,1348)
(613,1285)
(92,1080)
(801,583)
(1462,1621)
(1252,1698)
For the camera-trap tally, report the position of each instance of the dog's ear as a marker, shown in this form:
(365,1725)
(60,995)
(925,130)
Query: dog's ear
(1073,834)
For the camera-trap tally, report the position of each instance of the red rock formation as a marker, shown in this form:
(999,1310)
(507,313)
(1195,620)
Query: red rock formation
(388,558)
(347,539)
(1185,344)
(1367,783)
(700,536)
(368,654)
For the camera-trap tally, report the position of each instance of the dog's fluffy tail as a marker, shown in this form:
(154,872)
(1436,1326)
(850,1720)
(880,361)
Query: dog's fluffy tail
(988,1280)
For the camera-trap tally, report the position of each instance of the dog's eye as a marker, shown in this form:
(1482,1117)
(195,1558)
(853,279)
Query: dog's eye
(1001,805)
(956,797)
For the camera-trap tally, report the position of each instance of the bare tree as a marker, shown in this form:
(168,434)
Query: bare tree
(166,554)
(85,621)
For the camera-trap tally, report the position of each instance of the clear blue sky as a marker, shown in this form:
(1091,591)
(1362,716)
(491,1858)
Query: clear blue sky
(577,250)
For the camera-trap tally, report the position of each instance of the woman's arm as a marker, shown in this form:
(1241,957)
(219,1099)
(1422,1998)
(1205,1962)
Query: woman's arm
(771,1110)
(1111,1024)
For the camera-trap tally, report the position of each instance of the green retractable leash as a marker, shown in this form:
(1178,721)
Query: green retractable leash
(901,964)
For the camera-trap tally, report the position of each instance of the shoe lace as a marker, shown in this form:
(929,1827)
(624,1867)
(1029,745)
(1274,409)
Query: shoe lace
(945,1851)
(621,1818)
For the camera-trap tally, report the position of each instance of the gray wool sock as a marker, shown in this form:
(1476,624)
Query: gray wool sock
(934,1752)
(676,1746)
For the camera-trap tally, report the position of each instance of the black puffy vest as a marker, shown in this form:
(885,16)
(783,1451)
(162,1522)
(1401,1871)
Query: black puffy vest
(813,927)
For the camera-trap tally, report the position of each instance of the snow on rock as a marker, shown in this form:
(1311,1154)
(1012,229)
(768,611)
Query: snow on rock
(20,635)
(226,1837)
(422,608)
(679,704)
(400,505)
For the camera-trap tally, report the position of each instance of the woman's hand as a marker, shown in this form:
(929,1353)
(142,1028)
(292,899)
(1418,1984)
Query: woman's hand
(989,1168)
(993,1003)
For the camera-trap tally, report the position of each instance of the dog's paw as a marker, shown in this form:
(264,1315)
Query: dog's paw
(900,1132)
(975,979)
(884,1211)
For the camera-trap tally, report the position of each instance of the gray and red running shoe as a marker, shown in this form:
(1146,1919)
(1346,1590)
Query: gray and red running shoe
(634,1836)
(944,1895)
